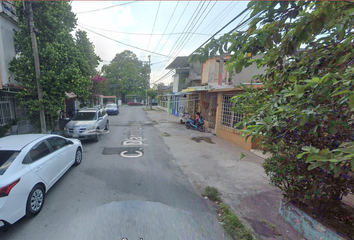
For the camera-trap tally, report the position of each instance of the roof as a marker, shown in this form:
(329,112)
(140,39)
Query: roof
(17,142)
(179,63)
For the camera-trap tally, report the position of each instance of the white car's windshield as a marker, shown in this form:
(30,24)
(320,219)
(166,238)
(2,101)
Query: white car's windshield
(85,116)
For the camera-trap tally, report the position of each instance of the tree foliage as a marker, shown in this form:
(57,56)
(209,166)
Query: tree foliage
(126,75)
(304,113)
(64,63)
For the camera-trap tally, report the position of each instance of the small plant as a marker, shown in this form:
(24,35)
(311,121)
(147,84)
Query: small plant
(212,193)
(232,224)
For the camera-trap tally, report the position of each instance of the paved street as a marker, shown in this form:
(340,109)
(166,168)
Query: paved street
(123,190)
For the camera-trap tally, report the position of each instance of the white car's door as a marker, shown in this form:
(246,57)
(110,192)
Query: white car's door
(64,151)
(44,163)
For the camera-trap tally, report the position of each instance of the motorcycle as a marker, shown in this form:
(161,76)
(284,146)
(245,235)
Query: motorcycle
(184,118)
(198,125)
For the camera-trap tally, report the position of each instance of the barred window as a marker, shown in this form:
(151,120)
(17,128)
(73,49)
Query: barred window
(228,117)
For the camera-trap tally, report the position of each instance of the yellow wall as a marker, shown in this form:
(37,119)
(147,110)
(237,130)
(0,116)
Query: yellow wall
(229,134)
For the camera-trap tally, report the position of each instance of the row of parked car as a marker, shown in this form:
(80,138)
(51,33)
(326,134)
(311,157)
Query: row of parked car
(31,164)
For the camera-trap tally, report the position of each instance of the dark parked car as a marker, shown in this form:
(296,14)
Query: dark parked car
(131,103)
(112,108)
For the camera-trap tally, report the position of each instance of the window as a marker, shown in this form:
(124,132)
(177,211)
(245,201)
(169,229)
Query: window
(228,117)
(6,158)
(57,143)
(39,151)
(85,116)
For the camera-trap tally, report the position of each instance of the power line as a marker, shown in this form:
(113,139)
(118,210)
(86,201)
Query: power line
(158,8)
(134,33)
(185,29)
(167,25)
(95,10)
(124,43)
(247,8)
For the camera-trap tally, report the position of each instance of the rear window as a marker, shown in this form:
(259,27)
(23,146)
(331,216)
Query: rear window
(6,158)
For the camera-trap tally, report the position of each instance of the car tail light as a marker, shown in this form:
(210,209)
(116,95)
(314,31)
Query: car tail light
(5,190)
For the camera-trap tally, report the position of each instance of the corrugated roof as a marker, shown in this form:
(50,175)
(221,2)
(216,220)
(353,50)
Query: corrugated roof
(178,63)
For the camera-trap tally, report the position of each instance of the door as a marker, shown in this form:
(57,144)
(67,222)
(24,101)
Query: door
(64,152)
(44,163)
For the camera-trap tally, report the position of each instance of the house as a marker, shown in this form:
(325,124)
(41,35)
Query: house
(9,87)
(216,107)
(186,75)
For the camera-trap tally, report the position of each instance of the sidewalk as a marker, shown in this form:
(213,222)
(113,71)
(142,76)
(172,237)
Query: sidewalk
(208,160)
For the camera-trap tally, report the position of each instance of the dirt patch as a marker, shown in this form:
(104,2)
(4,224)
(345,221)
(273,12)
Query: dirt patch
(165,134)
(205,139)
(261,228)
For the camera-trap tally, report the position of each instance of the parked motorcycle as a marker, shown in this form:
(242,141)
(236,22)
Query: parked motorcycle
(184,118)
(198,125)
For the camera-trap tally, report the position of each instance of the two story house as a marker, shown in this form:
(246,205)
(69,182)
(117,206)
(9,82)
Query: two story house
(9,108)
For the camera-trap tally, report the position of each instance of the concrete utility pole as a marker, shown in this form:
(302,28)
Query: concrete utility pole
(221,69)
(28,9)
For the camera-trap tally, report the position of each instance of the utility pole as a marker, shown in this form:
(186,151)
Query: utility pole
(221,69)
(147,82)
(28,9)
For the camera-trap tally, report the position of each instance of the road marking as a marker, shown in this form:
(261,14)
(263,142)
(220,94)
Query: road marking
(135,139)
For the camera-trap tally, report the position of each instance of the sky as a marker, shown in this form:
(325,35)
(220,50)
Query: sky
(161,29)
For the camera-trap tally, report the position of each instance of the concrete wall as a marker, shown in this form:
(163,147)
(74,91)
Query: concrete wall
(210,73)
(7,48)
(175,83)
(246,75)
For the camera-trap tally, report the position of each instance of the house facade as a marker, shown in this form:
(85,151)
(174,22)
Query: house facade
(216,107)
(9,87)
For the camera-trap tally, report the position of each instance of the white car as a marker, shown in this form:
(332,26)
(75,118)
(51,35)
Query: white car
(30,164)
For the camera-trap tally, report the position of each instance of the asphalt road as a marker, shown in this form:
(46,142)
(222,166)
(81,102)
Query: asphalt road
(127,187)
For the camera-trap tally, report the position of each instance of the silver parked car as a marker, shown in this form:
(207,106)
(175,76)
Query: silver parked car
(87,124)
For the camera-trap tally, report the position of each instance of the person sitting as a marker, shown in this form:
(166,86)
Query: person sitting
(196,118)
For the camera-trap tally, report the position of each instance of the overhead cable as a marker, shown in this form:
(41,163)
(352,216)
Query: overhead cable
(124,43)
(158,8)
(95,10)
(134,33)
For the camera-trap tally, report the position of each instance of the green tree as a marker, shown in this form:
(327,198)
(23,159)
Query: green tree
(151,93)
(62,61)
(126,75)
(304,113)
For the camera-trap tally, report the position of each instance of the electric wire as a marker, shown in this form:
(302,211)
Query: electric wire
(238,26)
(133,33)
(177,43)
(167,26)
(124,43)
(95,10)
(158,8)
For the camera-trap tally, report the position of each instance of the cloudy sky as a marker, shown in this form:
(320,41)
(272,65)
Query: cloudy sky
(161,29)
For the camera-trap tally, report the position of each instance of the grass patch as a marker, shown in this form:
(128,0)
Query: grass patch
(230,222)
(165,134)
(212,193)
(148,109)
(233,225)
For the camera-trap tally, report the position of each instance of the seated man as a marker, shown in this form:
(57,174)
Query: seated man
(196,118)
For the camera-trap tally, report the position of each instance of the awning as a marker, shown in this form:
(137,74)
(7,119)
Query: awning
(197,89)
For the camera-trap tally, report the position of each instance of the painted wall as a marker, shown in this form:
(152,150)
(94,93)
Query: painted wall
(229,134)
(7,47)
(210,73)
